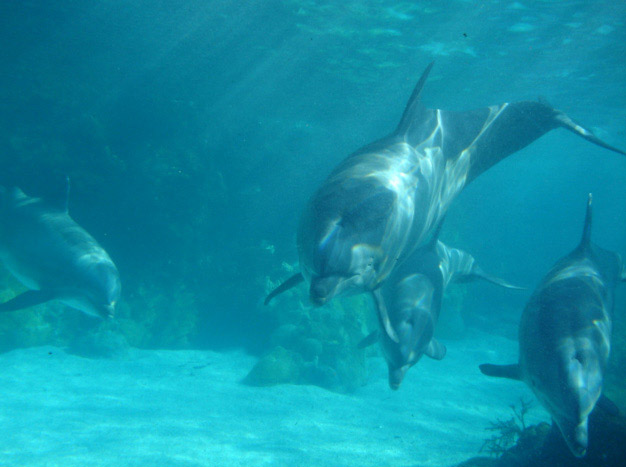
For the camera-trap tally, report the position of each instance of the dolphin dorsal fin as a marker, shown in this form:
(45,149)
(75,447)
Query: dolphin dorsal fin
(16,193)
(414,102)
(585,241)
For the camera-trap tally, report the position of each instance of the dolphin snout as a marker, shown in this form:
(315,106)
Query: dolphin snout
(321,290)
(579,447)
(395,377)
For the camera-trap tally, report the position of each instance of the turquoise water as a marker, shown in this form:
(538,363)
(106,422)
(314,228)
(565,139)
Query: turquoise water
(193,134)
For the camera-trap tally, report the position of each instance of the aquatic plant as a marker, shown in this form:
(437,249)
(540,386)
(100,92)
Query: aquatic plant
(507,432)
(542,445)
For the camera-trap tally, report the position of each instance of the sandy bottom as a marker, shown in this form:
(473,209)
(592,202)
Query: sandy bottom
(188,408)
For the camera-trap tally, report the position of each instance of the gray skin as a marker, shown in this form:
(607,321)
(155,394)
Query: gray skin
(412,298)
(384,201)
(42,246)
(565,337)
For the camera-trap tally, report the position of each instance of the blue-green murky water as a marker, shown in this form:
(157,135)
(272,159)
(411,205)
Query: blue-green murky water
(194,132)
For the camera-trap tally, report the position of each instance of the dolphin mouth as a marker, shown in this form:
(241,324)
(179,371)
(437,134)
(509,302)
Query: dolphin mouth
(396,376)
(322,289)
(318,301)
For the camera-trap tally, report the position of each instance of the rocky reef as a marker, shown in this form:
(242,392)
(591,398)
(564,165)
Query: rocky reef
(316,346)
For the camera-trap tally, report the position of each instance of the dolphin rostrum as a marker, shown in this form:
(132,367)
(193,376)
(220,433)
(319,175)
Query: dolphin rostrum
(54,257)
(565,337)
(385,200)
(411,301)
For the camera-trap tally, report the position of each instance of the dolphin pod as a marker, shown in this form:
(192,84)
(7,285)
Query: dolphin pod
(385,200)
(54,257)
(372,227)
(565,336)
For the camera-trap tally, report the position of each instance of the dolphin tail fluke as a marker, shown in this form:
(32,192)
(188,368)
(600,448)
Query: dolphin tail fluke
(27,299)
(566,122)
(288,284)
(413,106)
(501,371)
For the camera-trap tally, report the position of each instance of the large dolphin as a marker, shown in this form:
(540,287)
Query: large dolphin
(411,299)
(54,257)
(565,336)
(385,200)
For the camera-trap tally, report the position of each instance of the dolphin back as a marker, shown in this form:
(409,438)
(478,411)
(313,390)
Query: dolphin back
(485,135)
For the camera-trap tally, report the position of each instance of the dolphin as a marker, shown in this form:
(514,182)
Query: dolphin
(411,300)
(565,337)
(54,257)
(385,200)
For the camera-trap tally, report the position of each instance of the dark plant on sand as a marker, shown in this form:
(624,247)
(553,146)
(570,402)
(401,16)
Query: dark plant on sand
(506,432)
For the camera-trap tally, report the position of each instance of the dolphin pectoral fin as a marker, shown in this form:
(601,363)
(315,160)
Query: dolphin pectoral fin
(288,284)
(501,371)
(368,340)
(28,299)
(607,405)
(478,273)
(435,349)
(383,316)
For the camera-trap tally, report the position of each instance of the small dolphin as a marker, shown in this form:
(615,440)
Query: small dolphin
(565,337)
(385,200)
(411,301)
(42,246)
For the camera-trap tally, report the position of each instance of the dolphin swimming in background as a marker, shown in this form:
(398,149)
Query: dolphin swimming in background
(385,200)
(565,337)
(54,257)
(411,299)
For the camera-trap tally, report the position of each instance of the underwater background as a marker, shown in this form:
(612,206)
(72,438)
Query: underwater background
(193,133)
